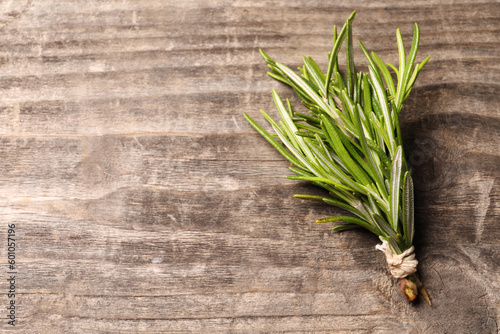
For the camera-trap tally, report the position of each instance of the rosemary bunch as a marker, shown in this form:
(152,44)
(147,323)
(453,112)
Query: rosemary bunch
(350,144)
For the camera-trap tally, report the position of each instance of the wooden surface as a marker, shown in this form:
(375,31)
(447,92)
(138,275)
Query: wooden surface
(144,203)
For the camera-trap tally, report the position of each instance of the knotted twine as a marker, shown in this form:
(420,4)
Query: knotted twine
(400,265)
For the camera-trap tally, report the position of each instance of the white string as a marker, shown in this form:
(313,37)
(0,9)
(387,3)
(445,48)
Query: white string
(400,265)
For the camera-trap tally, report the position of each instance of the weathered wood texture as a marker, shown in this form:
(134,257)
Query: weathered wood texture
(144,203)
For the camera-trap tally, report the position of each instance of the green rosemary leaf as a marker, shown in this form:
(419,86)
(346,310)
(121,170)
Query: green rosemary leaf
(350,70)
(303,85)
(317,198)
(320,141)
(357,90)
(299,81)
(279,78)
(345,207)
(296,146)
(372,206)
(309,119)
(377,109)
(377,175)
(402,59)
(393,242)
(349,108)
(339,82)
(345,227)
(411,81)
(310,197)
(340,194)
(389,130)
(271,121)
(414,76)
(289,107)
(335,51)
(304,134)
(357,154)
(299,171)
(367,97)
(352,220)
(408,66)
(272,141)
(409,210)
(371,62)
(321,157)
(315,77)
(335,61)
(399,137)
(332,155)
(380,154)
(343,154)
(264,55)
(384,227)
(289,126)
(395,187)
(402,212)
(367,105)
(334,183)
(385,74)
(340,176)
(381,134)
(278,74)
(310,128)
(300,161)
(394,69)
(360,157)
(303,71)
(316,69)
(328,126)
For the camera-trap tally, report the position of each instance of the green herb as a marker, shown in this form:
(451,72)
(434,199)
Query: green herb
(350,141)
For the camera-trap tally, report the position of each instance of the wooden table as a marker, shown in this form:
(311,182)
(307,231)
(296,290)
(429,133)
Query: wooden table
(144,203)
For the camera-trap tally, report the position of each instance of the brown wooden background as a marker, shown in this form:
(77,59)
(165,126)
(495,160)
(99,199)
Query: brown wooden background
(144,203)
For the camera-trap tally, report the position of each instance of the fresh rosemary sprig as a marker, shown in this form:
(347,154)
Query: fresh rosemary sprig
(350,142)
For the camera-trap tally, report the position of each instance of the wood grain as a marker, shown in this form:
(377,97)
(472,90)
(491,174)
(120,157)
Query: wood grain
(144,203)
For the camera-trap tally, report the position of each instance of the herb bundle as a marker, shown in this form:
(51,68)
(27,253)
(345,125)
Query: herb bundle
(350,144)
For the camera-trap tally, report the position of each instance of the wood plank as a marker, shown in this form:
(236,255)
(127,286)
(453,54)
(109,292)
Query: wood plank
(144,203)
